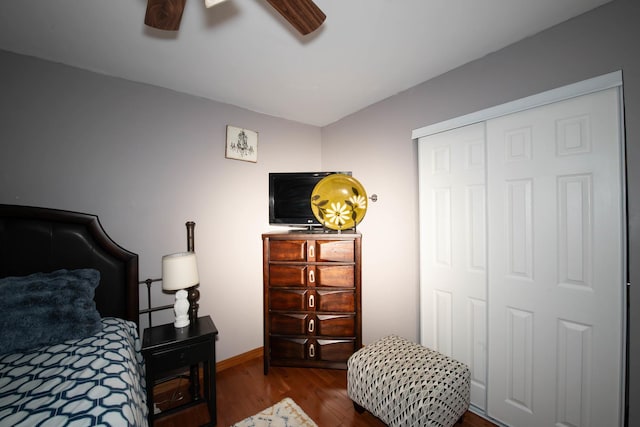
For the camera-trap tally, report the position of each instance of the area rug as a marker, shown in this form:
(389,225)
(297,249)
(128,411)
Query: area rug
(285,413)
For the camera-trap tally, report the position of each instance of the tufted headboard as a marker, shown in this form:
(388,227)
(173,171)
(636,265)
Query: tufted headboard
(34,239)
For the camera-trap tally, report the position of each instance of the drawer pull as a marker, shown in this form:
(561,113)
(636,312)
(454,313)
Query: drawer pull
(312,351)
(312,251)
(312,276)
(311,325)
(312,301)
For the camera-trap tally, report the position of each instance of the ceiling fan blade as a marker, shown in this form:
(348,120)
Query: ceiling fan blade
(304,15)
(164,14)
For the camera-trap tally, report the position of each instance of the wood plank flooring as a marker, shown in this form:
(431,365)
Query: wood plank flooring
(243,390)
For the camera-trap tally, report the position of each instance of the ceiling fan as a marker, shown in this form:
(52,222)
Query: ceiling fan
(304,15)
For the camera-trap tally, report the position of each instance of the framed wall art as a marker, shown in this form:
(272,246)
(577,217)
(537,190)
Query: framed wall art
(242,144)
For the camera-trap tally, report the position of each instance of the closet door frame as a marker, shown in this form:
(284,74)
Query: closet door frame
(596,84)
(584,87)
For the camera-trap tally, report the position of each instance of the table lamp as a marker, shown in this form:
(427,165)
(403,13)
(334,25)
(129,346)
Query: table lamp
(179,272)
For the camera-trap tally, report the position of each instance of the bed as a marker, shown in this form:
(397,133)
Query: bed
(69,345)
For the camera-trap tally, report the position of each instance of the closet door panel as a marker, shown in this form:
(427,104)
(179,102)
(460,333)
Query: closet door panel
(556,264)
(453,249)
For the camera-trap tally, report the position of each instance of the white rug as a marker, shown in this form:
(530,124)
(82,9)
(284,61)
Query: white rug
(285,413)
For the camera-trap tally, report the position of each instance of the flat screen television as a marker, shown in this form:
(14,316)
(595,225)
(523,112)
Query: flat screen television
(290,198)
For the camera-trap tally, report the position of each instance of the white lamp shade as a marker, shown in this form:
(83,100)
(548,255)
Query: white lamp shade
(179,271)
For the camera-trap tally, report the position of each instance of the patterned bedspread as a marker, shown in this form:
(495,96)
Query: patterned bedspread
(95,381)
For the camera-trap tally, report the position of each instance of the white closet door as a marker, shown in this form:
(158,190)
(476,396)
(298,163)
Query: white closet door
(453,249)
(556,286)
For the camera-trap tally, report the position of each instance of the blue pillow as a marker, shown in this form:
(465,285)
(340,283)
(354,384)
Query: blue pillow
(47,308)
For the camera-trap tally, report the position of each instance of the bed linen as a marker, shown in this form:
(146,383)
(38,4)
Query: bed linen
(93,381)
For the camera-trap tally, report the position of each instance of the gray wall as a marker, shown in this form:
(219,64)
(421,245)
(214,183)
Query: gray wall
(146,160)
(376,143)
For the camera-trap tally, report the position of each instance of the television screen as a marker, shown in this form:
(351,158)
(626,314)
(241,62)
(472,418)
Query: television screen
(290,198)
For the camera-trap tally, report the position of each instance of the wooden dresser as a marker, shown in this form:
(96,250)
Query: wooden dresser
(312,299)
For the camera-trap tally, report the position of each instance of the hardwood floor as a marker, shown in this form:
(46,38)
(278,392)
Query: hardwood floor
(243,390)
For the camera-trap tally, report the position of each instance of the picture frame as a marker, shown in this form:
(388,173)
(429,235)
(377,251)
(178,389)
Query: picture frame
(242,144)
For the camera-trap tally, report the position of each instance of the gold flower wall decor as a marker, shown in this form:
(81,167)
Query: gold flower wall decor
(339,202)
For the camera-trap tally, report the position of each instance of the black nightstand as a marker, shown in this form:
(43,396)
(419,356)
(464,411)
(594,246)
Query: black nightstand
(166,348)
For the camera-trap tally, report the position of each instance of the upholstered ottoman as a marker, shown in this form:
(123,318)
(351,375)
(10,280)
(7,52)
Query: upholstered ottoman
(406,384)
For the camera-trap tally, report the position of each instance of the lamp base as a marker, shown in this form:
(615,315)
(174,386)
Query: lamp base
(193,297)
(181,309)
(181,324)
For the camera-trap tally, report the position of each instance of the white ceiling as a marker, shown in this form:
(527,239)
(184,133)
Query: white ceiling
(242,52)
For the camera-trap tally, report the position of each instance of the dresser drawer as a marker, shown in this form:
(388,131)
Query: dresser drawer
(288,299)
(329,325)
(312,275)
(329,350)
(289,324)
(335,325)
(335,300)
(288,348)
(183,356)
(288,250)
(335,275)
(312,250)
(312,300)
(334,350)
(287,275)
(334,251)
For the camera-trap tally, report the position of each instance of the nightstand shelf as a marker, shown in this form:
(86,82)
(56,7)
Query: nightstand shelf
(166,349)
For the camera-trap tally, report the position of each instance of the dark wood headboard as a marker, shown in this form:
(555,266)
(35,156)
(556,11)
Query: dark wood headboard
(34,239)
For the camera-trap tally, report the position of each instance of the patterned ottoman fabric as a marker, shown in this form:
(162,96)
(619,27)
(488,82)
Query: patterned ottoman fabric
(406,384)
